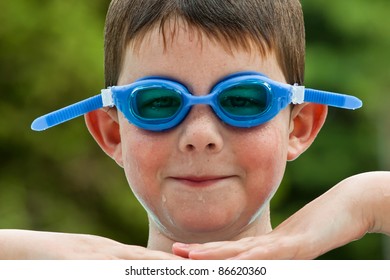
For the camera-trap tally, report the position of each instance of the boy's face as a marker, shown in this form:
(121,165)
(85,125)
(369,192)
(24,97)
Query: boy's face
(202,178)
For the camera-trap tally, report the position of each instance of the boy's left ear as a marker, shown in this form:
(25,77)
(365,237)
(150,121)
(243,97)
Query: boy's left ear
(306,121)
(103,125)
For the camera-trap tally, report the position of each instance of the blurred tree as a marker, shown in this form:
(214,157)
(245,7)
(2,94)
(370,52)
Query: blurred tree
(51,55)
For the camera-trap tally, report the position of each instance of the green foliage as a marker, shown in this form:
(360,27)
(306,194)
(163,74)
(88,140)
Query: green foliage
(51,54)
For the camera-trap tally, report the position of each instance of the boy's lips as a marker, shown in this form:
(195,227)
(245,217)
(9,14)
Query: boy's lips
(200,181)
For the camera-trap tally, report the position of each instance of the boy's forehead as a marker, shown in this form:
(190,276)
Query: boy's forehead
(182,51)
(173,34)
(177,31)
(166,42)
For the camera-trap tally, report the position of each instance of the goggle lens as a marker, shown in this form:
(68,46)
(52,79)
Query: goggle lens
(244,100)
(157,103)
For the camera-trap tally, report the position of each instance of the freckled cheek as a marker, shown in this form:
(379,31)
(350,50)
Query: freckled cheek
(263,157)
(144,156)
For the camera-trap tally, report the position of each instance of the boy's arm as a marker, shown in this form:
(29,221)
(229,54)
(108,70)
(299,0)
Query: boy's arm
(378,200)
(27,245)
(355,206)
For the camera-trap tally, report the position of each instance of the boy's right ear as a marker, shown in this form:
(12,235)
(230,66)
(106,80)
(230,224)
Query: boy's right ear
(103,125)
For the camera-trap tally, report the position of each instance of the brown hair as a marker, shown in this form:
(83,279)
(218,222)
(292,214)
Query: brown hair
(269,24)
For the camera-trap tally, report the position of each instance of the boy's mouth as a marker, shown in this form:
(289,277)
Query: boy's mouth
(204,181)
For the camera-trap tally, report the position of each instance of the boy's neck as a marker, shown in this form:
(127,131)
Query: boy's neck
(159,241)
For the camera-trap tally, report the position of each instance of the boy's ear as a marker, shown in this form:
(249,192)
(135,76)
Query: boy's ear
(306,121)
(103,125)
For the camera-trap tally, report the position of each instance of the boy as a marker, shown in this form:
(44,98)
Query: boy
(206,174)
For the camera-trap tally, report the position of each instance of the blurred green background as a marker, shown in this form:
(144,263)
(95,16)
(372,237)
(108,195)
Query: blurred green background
(51,55)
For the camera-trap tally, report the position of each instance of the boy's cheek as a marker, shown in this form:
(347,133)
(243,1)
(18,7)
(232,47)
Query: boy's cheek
(144,152)
(264,155)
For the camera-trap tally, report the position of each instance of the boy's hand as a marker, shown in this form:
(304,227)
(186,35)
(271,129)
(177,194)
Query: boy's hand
(345,213)
(23,244)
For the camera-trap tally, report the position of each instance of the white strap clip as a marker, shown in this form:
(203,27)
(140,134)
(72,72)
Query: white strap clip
(298,94)
(107,97)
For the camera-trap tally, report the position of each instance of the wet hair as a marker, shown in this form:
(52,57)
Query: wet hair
(269,25)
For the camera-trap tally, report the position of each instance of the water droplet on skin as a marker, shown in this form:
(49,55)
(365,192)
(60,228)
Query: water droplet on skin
(201,198)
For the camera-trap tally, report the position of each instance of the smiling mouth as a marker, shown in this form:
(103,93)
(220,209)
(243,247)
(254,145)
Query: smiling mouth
(200,181)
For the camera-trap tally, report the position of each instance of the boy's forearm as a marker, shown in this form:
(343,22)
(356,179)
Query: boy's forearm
(371,199)
(17,244)
(11,244)
(29,245)
(379,201)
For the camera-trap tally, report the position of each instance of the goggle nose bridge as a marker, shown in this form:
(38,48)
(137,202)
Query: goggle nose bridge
(207,99)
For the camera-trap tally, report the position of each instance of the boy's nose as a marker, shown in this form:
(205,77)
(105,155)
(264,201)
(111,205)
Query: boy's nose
(201,131)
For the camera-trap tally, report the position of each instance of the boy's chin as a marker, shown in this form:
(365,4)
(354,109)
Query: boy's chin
(197,228)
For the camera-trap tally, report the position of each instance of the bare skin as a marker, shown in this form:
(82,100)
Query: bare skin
(345,213)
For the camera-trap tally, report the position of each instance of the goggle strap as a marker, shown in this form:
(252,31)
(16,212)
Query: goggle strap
(332,99)
(68,113)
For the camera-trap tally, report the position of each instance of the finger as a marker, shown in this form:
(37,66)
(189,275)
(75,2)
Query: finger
(266,253)
(181,249)
(184,250)
(218,250)
(157,255)
(280,248)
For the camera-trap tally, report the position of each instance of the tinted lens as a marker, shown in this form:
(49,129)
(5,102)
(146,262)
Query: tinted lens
(157,103)
(244,100)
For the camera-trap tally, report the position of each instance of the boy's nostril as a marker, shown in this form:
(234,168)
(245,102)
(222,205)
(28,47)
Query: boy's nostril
(211,146)
(190,147)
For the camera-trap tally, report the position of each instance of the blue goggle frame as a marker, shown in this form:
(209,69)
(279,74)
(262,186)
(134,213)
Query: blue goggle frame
(279,95)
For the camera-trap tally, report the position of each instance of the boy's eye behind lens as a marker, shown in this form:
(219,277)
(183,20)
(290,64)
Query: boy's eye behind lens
(157,103)
(244,101)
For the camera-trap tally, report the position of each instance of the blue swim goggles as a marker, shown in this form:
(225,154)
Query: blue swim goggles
(244,99)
